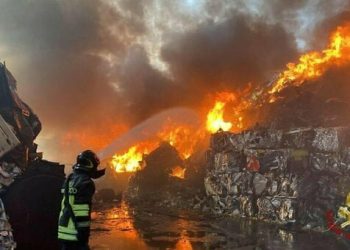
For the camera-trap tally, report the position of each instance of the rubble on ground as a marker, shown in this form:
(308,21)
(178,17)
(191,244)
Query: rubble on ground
(277,175)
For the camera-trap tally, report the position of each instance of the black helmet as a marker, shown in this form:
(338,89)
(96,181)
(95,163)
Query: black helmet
(88,161)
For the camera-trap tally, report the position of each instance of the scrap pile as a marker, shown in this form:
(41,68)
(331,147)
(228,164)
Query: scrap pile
(18,124)
(278,175)
(19,160)
(155,185)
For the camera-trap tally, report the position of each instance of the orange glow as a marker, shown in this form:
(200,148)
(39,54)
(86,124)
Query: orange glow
(94,138)
(183,243)
(314,64)
(129,161)
(215,117)
(215,120)
(183,138)
(178,172)
(310,66)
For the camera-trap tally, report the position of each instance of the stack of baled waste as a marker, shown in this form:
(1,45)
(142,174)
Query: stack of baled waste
(276,175)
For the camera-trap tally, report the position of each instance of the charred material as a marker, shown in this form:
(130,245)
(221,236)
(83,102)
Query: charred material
(155,186)
(281,176)
(157,170)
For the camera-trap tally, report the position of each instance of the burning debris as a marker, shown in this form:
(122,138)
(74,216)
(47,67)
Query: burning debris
(293,169)
(166,181)
(157,171)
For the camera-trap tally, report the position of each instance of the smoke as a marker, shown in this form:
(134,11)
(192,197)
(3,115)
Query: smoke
(59,49)
(227,55)
(91,69)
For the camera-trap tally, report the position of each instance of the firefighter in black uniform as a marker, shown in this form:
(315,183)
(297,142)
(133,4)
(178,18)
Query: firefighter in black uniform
(78,189)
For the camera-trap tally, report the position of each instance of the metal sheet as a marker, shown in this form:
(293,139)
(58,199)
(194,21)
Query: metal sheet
(8,139)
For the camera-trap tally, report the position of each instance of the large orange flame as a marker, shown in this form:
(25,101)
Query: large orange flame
(215,117)
(178,172)
(131,160)
(310,66)
(183,138)
(313,64)
(215,120)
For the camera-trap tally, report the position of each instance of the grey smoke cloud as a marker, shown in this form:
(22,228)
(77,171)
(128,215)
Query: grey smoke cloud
(91,63)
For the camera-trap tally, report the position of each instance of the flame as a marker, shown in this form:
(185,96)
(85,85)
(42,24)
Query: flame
(215,117)
(183,138)
(178,172)
(94,137)
(310,66)
(128,162)
(314,64)
(131,161)
(215,120)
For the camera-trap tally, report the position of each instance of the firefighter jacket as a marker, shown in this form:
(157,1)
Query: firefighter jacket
(74,219)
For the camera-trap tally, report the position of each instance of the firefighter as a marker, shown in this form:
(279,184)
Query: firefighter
(78,189)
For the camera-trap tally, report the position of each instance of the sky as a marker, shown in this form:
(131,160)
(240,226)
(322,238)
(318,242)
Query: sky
(92,69)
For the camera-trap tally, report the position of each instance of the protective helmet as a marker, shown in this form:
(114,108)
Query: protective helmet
(88,161)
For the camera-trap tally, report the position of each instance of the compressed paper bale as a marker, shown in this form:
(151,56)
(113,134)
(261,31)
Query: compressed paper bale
(266,210)
(325,161)
(269,159)
(345,159)
(286,211)
(253,164)
(236,181)
(326,139)
(209,186)
(294,186)
(237,141)
(298,138)
(262,138)
(272,187)
(236,160)
(244,183)
(229,162)
(229,183)
(236,177)
(259,183)
(276,208)
(232,203)
(221,162)
(279,175)
(330,139)
(284,186)
(246,205)
(221,142)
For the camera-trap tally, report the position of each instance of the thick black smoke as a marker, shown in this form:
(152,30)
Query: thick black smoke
(227,55)
(83,65)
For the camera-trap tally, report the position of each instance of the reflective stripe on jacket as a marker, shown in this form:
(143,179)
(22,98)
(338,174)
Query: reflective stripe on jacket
(74,219)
